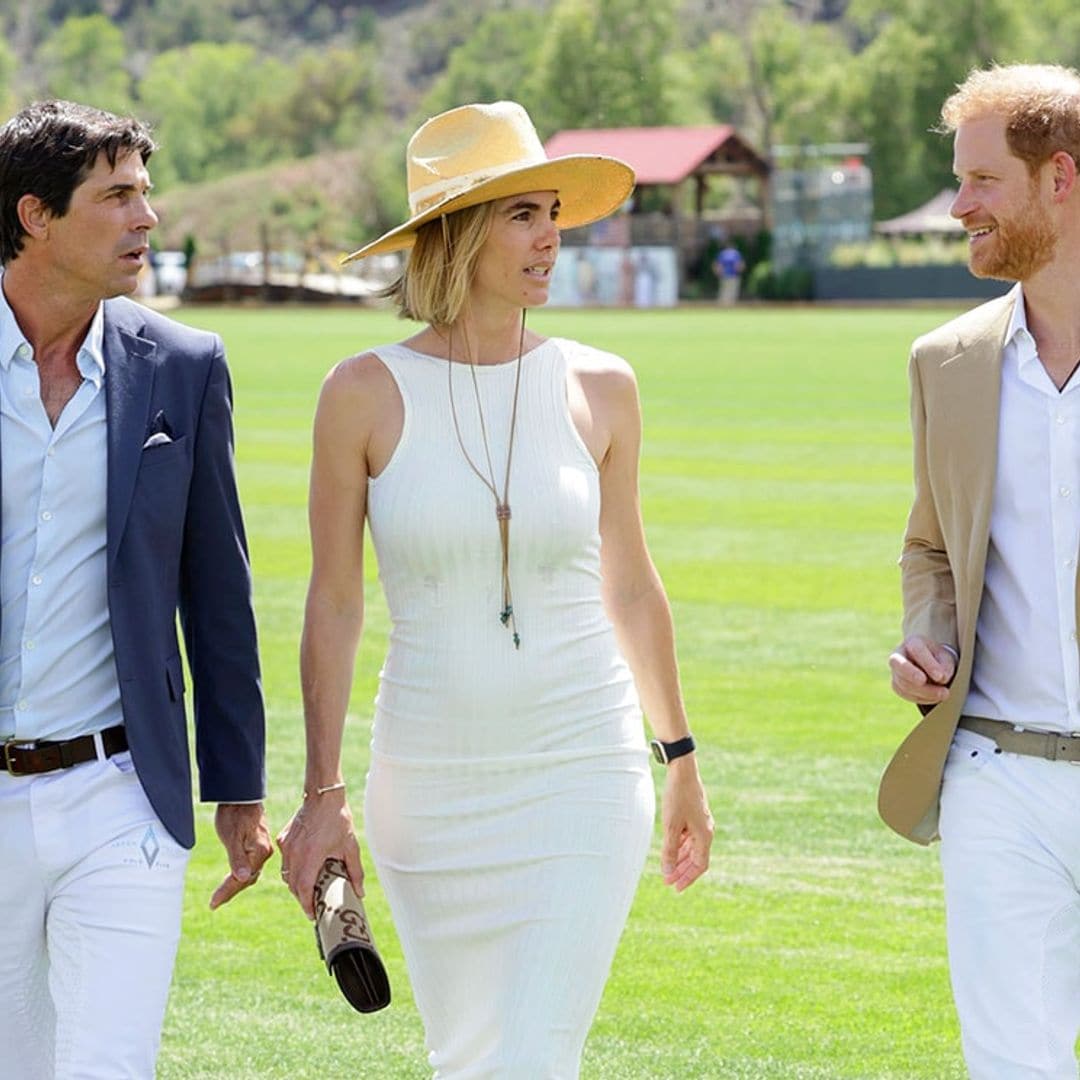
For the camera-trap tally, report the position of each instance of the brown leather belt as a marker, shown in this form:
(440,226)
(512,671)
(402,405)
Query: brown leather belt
(22,757)
(1051,745)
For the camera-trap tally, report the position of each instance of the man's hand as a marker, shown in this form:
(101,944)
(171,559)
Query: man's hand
(921,670)
(242,828)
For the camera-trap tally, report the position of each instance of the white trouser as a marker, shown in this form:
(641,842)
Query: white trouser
(729,290)
(91,890)
(1010,853)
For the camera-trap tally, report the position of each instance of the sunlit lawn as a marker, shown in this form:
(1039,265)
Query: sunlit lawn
(775,482)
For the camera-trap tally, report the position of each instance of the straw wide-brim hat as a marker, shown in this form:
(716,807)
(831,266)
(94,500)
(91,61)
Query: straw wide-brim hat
(477,153)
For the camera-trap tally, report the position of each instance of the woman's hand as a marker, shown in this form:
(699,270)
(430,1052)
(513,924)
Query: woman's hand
(321,829)
(687,823)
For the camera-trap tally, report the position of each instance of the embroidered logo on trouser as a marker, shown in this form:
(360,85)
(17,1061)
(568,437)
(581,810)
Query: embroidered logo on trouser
(150,847)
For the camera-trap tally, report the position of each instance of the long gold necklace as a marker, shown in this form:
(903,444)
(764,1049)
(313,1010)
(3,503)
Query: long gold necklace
(502,503)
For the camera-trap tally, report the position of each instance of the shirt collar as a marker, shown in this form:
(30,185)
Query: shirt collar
(11,337)
(1018,333)
(90,359)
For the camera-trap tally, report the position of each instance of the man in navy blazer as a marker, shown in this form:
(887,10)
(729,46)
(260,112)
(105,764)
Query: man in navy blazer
(118,510)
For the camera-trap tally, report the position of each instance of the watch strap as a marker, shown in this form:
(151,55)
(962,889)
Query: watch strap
(667,752)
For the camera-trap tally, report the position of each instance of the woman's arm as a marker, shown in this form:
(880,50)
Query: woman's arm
(637,605)
(345,420)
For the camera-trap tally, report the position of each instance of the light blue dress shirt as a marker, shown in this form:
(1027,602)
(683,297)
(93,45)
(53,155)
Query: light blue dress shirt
(57,669)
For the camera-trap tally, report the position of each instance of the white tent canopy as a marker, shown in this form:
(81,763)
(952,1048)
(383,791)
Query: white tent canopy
(931,217)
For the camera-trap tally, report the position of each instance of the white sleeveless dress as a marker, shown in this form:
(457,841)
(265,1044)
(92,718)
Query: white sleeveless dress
(509,803)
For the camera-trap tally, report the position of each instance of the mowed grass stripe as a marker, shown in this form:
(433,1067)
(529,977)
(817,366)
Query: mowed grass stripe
(775,482)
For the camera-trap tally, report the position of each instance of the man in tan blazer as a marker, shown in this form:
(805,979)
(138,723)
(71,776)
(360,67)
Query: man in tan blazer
(990,584)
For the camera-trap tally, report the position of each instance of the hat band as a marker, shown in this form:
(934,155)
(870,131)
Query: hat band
(423,199)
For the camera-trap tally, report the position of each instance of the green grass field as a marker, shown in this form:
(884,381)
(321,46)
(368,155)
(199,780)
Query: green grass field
(775,483)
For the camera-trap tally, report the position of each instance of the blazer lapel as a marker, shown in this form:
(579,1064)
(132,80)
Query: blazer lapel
(970,395)
(129,378)
(968,398)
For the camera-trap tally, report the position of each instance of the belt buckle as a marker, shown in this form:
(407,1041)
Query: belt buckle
(12,744)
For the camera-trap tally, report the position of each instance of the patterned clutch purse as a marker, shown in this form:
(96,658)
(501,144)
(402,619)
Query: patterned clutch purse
(345,941)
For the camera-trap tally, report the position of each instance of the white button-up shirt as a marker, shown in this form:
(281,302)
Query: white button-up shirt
(57,670)
(1026,664)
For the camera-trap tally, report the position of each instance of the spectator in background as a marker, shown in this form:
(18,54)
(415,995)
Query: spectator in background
(627,274)
(645,278)
(728,267)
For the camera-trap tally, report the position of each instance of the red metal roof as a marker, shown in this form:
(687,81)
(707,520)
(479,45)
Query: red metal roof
(659,155)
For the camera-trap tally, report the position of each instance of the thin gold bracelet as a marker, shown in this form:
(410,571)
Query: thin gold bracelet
(339,786)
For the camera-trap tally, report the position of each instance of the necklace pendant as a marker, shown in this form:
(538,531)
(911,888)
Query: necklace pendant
(502,511)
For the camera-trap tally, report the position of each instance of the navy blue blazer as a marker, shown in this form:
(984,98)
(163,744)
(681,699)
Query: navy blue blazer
(176,544)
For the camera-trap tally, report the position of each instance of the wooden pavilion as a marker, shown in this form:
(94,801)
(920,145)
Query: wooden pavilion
(675,167)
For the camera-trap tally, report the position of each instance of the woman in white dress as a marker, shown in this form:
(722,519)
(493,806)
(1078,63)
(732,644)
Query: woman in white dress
(509,804)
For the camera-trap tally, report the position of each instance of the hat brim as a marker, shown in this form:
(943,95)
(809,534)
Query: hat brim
(589,186)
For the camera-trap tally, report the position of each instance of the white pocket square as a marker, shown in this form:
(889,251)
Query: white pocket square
(159,438)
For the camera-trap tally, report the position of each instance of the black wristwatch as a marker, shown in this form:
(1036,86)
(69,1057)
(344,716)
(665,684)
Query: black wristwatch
(667,752)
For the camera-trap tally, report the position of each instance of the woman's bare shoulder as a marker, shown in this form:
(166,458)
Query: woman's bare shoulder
(363,371)
(360,380)
(358,394)
(600,372)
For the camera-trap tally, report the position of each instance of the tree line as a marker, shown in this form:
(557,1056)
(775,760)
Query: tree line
(234,86)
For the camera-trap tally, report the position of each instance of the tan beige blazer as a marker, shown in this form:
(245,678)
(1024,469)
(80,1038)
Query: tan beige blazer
(955,396)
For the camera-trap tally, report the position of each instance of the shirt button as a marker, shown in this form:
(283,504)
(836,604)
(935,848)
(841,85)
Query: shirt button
(1072,636)
(1060,418)
(46,515)
(23,351)
(1069,564)
(51,452)
(29,645)
(36,579)
(1063,491)
(23,705)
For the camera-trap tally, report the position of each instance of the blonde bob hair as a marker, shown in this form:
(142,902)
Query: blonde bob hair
(434,286)
(1039,102)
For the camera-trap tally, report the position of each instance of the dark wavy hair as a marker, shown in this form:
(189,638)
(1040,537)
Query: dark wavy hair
(48,149)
